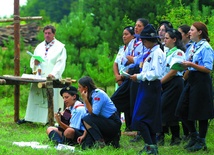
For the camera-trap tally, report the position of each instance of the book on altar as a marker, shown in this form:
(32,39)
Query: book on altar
(32,76)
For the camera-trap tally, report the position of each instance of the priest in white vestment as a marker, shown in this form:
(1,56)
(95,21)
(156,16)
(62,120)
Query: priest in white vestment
(53,53)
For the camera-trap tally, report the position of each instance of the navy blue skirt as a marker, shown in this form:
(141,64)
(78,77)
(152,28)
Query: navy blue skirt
(196,100)
(147,109)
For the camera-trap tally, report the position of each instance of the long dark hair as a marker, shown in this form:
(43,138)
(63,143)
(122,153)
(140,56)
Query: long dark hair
(143,21)
(89,83)
(173,33)
(185,28)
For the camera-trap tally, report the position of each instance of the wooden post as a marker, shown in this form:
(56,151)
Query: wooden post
(16,21)
(16,58)
(49,89)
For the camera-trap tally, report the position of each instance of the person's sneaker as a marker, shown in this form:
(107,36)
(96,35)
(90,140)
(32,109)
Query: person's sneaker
(199,145)
(137,138)
(149,149)
(21,121)
(193,139)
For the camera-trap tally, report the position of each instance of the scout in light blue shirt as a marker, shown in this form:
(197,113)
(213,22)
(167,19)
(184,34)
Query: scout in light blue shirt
(198,92)
(102,104)
(102,124)
(74,128)
(201,53)
(136,49)
(78,111)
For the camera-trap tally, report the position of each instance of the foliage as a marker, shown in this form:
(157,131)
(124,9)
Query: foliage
(7,59)
(101,72)
(81,39)
(183,14)
(49,9)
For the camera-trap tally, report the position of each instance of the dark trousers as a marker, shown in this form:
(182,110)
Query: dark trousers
(203,127)
(102,128)
(148,136)
(121,99)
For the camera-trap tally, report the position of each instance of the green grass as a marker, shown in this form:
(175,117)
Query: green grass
(11,132)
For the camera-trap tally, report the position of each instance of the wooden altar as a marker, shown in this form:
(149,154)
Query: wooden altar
(47,83)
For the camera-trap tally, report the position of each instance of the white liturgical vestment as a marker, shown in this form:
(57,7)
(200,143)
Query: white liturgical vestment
(54,63)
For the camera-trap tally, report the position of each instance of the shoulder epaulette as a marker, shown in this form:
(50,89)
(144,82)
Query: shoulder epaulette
(79,105)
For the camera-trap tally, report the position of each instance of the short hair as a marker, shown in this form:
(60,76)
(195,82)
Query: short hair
(53,29)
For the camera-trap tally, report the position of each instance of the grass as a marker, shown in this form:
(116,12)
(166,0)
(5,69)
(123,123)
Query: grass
(11,132)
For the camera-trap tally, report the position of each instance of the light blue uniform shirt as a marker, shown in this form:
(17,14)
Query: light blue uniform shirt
(137,52)
(201,53)
(78,111)
(119,59)
(153,66)
(178,56)
(102,105)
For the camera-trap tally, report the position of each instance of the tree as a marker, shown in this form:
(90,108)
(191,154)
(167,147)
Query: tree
(185,14)
(81,39)
(53,9)
(102,71)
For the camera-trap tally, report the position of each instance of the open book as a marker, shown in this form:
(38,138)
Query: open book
(123,73)
(36,57)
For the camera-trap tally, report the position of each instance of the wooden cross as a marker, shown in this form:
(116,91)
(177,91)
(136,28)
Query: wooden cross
(16,19)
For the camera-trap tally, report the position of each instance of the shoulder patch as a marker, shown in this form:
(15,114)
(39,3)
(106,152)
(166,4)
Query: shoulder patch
(179,54)
(149,59)
(96,98)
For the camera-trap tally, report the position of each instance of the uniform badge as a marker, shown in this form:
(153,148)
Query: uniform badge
(149,59)
(179,53)
(96,98)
